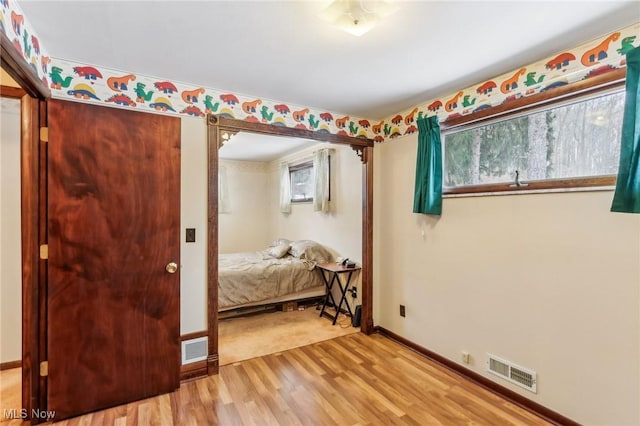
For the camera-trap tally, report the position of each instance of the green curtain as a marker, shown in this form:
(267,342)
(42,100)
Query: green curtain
(427,196)
(627,196)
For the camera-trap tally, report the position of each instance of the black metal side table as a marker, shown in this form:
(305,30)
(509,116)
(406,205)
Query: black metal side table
(330,278)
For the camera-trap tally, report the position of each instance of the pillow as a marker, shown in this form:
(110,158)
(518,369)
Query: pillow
(278,251)
(279,242)
(310,250)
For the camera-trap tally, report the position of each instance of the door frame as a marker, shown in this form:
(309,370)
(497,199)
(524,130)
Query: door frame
(216,126)
(33,217)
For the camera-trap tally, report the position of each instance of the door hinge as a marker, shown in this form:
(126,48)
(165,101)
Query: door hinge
(44,134)
(44,368)
(44,251)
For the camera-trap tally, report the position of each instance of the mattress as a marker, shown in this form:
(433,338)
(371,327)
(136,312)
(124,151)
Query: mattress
(253,277)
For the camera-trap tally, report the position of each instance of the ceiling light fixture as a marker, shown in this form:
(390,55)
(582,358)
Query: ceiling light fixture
(357,16)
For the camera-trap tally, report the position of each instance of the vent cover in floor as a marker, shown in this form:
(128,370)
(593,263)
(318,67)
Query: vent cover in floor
(194,350)
(513,373)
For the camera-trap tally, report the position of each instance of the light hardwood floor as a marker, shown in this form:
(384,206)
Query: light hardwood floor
(10,394)
(355,379)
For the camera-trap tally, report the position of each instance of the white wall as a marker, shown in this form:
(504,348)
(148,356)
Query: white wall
(10,248)
(548,281)
(246,226)
(193,214)
(340,230)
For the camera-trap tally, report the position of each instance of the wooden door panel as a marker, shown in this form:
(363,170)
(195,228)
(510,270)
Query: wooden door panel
(114,223)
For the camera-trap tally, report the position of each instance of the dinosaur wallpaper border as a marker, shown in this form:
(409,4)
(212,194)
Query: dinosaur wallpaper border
(590,59)
(17,28)
(127,90)
(108,86)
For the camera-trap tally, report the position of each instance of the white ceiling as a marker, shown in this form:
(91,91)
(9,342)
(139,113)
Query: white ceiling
(254,147)
(281,51)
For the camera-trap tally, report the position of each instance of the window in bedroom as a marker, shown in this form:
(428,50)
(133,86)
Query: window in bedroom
(563,144)
(302,176)
(301,182)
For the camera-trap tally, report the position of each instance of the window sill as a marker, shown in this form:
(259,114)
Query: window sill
(596,183)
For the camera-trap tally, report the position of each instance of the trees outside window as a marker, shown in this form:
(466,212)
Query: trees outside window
(302,182)
(575,140)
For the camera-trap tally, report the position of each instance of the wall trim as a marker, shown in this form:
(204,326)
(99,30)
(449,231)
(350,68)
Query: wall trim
(193,371)
(511,396)
(10,364)
(12,92)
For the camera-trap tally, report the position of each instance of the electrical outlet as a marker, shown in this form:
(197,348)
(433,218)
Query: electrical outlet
(191,235)
(466,358)
(403,311)
(354,292)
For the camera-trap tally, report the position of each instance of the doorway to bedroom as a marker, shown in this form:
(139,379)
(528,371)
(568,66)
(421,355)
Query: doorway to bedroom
(269,290)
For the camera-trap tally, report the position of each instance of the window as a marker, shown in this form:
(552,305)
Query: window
(302,182)
(563,144)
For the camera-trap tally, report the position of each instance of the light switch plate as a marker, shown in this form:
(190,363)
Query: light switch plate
(191,235)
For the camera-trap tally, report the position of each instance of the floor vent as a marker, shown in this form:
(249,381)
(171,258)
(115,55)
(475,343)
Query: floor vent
(511,372)
(194,350)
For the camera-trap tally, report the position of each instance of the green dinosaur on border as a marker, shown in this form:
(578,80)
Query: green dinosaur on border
(266,115)
(57,82)
(531,79)
(142,96)
(313,123)
(27,46)
(210,106)
(627,45)
(465,101)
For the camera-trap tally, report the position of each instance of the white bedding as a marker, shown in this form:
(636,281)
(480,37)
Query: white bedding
(249,277)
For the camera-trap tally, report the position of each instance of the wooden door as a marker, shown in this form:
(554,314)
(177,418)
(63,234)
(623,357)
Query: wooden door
(113,226)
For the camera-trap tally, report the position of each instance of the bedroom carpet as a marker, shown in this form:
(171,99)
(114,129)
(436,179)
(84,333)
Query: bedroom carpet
(267,333)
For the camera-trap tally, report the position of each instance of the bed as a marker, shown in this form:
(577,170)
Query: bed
(283,271)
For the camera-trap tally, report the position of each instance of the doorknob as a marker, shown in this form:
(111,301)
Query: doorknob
(171,267)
